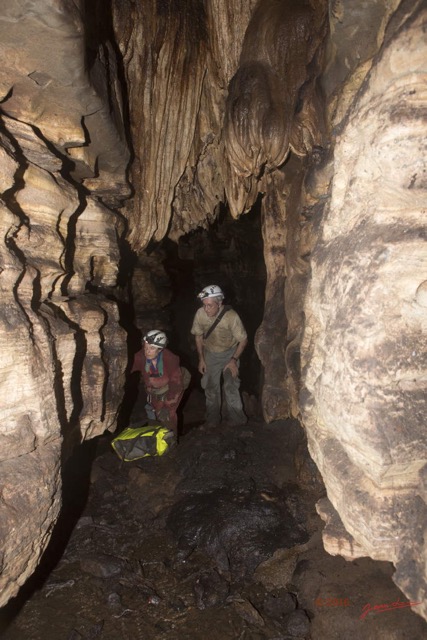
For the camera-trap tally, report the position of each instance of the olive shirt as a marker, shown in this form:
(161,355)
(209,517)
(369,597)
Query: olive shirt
(228,332)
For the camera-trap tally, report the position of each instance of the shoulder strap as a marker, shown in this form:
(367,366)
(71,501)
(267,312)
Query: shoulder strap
(214,324)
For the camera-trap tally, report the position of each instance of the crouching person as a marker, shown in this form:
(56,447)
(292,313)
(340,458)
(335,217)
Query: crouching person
(162,378)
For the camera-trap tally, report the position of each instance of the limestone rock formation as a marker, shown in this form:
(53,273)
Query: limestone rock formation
(62,349)
(271,104)
(365,336)
(177,77)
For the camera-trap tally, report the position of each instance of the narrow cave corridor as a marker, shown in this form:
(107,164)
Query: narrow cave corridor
(276,149)
(229,254)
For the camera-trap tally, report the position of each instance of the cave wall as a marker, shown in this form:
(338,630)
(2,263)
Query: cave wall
(364,343)
(63,352)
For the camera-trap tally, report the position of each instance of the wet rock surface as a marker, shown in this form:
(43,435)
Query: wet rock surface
(217,539)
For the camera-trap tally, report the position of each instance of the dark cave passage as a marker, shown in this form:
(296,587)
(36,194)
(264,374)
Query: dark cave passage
(229,254)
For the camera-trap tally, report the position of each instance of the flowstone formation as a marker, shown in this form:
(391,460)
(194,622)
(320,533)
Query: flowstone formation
(364,347)
(178,61)
(63,162)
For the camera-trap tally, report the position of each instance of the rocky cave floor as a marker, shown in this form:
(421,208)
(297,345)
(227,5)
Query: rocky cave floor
(217,539)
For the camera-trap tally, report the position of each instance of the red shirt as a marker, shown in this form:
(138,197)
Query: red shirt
(171,373)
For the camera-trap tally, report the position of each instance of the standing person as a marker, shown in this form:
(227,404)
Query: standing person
(220,340)
(161,376)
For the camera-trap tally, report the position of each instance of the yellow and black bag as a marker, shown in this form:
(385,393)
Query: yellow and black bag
(133,444)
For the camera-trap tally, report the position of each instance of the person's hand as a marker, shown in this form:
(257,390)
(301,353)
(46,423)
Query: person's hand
(202,366)
(232,366)
(170,401)
(163,415)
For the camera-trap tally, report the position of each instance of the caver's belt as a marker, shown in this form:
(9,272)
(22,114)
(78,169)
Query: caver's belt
(159,391)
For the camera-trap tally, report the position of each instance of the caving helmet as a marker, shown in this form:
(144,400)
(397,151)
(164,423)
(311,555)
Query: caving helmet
(212,291)
(156,338)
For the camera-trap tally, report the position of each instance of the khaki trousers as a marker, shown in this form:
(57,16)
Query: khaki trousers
(231,409)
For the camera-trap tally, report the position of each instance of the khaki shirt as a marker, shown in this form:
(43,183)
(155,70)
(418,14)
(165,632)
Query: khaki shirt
(228,332)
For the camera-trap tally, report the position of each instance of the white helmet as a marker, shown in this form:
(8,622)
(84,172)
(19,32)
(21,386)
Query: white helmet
(156,338)
(212,291)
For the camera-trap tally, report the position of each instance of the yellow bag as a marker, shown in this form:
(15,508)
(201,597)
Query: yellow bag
(133,444)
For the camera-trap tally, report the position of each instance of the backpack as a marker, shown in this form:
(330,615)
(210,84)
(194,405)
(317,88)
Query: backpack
(133,444)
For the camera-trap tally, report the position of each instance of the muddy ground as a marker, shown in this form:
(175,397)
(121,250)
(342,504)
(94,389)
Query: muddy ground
(218,539)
